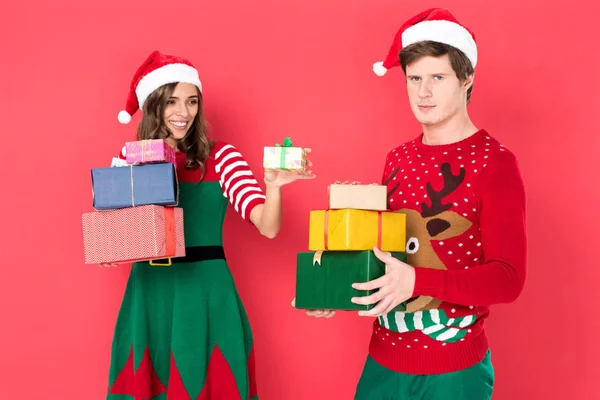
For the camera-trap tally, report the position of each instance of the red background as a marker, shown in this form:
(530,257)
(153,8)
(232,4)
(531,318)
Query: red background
(302,69)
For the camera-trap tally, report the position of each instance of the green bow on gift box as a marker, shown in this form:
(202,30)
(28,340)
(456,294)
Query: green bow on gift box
(287,142)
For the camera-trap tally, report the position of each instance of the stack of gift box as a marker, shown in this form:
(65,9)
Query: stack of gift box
(135,217)
(341,241)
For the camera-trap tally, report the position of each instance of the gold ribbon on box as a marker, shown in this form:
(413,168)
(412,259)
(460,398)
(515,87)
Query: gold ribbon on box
(319,254)
(387,267)
(317,257)
(146,146)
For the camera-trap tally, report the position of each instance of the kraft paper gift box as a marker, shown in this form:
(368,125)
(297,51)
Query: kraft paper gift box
(357,196)
(132,186)
(324,279)
(149,151)
(350,229)
(286,157)
(133,234)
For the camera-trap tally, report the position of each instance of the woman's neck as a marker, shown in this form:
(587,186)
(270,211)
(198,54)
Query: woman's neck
(171,142)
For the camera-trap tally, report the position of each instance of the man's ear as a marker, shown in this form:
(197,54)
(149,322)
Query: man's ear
(468,82)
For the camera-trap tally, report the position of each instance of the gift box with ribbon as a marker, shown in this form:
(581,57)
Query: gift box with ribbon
(285,157)
(118,162)
(149,151)
(133,186)
(350,229)
(324,279)
(133,234)
(357,196)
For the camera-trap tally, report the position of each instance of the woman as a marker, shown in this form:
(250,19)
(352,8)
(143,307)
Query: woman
(182,332)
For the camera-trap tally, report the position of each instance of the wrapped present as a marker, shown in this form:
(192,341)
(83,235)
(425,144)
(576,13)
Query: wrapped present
(140,185)
(133,234)
(350,229)
(357,196)
(285,157)
(118,162)
(324,279)
(149,151)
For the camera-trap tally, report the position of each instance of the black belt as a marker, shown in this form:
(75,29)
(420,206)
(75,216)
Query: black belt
(194,254)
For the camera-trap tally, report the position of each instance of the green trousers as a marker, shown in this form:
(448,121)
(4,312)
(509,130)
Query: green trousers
(380,383)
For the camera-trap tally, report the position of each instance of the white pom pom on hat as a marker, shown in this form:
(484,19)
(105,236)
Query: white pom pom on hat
(379,69)
(124,117)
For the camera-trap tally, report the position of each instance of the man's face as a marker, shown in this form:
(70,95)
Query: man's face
(434,91)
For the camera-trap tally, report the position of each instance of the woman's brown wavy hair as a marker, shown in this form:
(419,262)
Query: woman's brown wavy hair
(195,144)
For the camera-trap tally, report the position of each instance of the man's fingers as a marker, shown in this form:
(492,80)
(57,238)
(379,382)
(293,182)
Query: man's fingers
(389,308)
(385,258)
(371,299)
(374,284)
(378,309)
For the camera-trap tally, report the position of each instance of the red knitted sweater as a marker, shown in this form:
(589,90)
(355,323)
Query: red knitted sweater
(465,207)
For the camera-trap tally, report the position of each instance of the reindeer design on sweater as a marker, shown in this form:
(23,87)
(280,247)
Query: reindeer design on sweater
(435,221)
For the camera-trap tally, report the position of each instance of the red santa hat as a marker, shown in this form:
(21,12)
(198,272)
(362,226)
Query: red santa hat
(435,24)
(158,70)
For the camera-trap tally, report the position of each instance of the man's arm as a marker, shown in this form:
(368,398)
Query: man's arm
(501,276)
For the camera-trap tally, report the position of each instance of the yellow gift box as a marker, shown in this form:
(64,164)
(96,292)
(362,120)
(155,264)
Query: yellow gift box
(352,229)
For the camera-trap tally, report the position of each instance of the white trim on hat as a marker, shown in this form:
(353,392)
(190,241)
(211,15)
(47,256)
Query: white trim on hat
(170,73)
(442,31)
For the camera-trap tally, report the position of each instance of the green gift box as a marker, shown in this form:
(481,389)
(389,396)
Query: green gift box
(324,278)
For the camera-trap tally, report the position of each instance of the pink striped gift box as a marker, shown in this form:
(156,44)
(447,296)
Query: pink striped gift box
(133,234)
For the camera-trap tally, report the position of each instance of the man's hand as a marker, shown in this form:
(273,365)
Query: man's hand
(395,287)
(317,313)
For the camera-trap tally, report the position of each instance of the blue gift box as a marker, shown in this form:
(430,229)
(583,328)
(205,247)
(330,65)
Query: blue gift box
(135,185)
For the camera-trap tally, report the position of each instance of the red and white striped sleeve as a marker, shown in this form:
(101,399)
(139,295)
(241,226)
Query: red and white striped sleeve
(237,181)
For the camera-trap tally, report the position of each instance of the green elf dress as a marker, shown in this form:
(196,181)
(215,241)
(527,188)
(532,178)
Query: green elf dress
(182,332)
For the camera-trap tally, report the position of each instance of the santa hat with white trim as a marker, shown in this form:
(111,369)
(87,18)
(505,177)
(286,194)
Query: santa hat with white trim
(435,24)
(159,69)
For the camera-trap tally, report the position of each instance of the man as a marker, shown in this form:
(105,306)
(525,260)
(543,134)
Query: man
(464,199)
